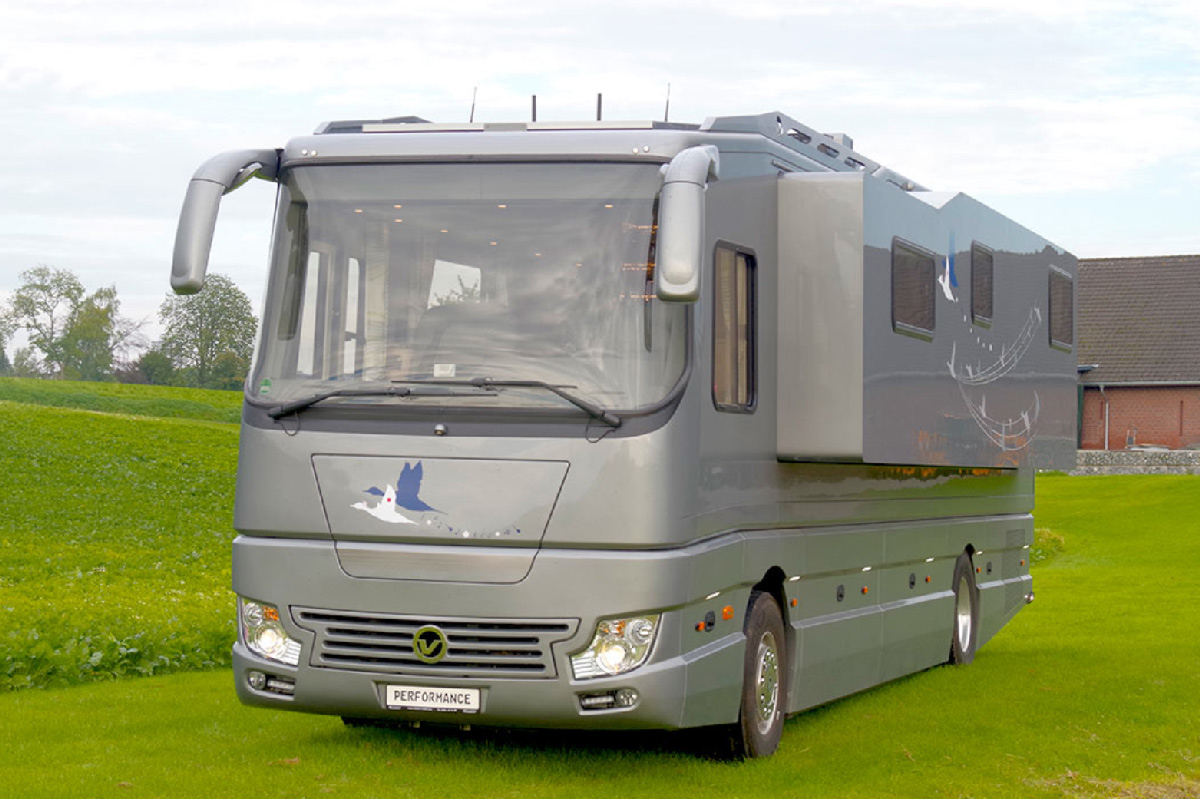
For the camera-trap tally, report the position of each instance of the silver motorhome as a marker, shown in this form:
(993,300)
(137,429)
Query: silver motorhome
(629,425)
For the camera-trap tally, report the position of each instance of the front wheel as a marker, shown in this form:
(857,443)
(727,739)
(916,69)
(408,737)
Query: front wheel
(965,638)
(764,680)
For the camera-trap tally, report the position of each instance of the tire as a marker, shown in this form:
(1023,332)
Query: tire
(764,681)
(964,636)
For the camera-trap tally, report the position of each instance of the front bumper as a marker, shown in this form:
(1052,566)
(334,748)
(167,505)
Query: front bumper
(692,678)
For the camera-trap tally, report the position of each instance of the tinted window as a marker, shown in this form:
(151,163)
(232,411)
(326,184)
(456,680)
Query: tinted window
(1062,313)
(733,331)
(981,283)
(912,288)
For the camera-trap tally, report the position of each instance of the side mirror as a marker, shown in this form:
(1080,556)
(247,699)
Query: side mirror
(216,177)
(681,223)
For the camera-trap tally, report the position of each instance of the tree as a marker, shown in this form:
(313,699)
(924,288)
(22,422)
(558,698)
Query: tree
(42,305)
(199,328)
(6,332)
(86,347)
(25,364)
(156,368)
(228,372)
(96,336)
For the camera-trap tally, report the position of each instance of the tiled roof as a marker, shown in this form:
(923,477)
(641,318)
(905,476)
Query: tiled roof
(1139,319)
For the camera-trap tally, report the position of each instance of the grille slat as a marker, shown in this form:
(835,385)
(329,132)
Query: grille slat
(375,642)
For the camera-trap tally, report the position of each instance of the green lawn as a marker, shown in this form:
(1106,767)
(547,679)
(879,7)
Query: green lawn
(119,398)
(116,531)
(115,534)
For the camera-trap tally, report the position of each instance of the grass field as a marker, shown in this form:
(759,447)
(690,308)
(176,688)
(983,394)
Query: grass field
(115,532)
(120,398)
(1091,691)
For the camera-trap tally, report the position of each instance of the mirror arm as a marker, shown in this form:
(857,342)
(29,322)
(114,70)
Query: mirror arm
(681,222)
(215,178)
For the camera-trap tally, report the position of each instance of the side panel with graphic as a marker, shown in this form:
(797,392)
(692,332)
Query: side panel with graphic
(958,364)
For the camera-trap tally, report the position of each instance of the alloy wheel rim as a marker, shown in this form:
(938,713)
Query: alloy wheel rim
(766,682)
(962,615)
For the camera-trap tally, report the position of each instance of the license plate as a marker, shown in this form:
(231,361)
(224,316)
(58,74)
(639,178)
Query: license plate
(432,698)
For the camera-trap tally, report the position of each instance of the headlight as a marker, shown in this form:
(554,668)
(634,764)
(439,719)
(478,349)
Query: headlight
(263,633)
(619,646)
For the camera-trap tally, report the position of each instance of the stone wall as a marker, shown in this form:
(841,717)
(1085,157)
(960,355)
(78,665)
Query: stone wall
(1138,462)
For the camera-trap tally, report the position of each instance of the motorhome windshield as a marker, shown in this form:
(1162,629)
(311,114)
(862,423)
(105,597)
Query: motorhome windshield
(407,274)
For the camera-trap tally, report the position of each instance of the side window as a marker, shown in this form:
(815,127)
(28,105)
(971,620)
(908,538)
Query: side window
(913,279)
(734,330)
(1062,310)
(453,283)
(981,285)
(312,320)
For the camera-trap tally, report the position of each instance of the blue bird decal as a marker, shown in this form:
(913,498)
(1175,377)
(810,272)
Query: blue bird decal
(408,488)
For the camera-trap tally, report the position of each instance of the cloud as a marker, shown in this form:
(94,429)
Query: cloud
(108,107)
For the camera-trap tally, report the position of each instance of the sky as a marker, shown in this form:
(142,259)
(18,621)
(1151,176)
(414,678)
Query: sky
(1080,120)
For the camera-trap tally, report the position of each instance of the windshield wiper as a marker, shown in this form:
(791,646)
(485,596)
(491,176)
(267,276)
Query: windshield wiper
(491,385)
(596,412)
(303,403)
(384,391)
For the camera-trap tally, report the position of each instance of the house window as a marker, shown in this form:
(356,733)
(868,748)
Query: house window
(734,327)
(1062,310)
(912,290)
(981,285)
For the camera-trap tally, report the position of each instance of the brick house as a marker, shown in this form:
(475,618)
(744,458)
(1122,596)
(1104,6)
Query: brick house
(1139,325)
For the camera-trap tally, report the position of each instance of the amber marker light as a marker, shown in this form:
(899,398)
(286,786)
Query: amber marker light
(700,627)
(271,613)
(727,612)
(927,579)
(864,590)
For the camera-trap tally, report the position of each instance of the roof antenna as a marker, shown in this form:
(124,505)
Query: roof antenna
(474,91)
(535,108)
(599,105)
(667,110)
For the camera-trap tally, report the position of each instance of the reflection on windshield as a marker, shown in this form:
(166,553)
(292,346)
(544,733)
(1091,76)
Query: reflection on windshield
(533,272)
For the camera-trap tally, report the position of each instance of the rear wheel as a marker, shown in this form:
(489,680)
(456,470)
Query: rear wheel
(764,680)
(965,637)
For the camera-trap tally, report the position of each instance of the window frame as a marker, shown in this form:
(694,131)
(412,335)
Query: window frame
(908,328)
(978,319)
(750,364)
(1062,274)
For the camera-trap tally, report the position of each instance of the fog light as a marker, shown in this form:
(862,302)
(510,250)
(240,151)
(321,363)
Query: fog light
(256,680)
(621,698)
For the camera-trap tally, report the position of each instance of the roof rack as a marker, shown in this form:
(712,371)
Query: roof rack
(419,125)
(834,150)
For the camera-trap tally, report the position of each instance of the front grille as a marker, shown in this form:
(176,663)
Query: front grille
(477,648)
